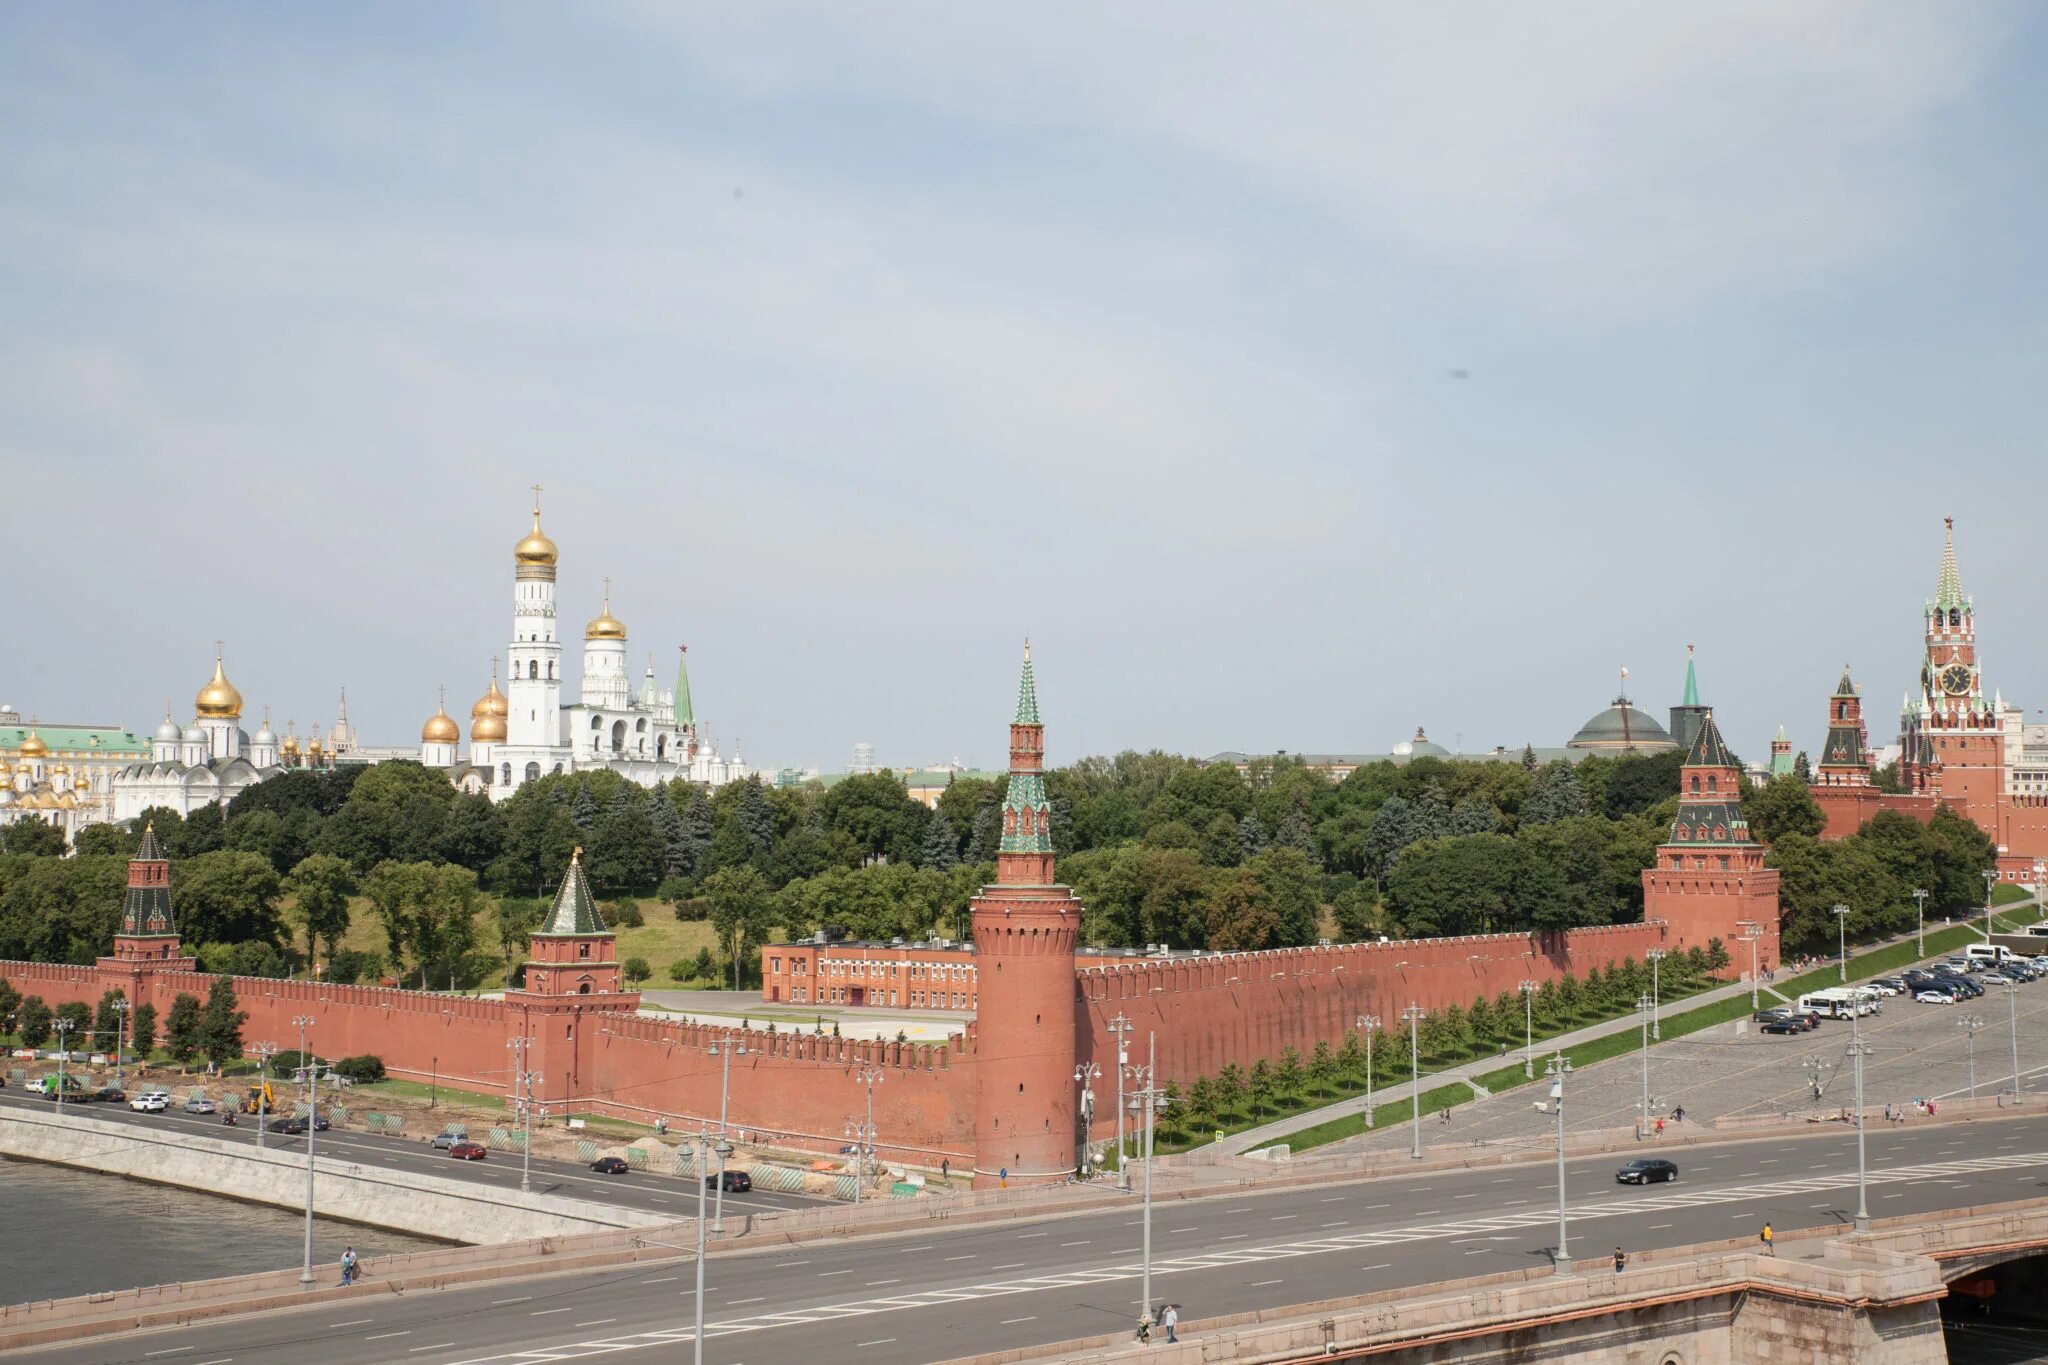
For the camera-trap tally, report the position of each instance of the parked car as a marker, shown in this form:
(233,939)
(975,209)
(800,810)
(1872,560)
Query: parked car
(1791,1026)
(110,1094)
(199,1104)
(610,1165)
(1646,1170)
(735,1181)
(1998,978)
(466,1150)
(1934,997)
(151,1102)
(1890,985)
(448,1137)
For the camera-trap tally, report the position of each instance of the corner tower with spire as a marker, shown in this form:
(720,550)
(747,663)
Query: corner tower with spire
(148,937)
(571,978)
(1709,881)
(1026,928)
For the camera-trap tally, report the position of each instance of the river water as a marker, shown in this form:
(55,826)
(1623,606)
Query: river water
(66,1232)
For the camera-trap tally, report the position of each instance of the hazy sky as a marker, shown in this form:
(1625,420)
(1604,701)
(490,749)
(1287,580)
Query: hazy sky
(1291,379)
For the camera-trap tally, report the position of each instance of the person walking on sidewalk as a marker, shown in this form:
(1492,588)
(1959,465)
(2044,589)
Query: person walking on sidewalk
(1770,1245)
(1170,1319)
(1620,1260)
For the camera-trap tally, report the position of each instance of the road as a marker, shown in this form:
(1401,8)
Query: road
(666,1194)
(953,1290)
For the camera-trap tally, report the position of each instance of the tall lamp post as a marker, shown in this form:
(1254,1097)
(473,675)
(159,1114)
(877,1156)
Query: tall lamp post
(704,1151)
(63,1027)
(1857,1047)
(312,1070)
(1751,932)
(870,1076)
(1920,918)
(1121,1027)
(1084,1076)
(525,1081)
(1972,1025)
(1643,1005)
(264,1052)
(1414,1015)
(1559,1068)
(725,1049)
(1655,957)
(2012,1016)
(1528,990)
(1842,936)
(1817,1069)
(1990,881)
(122,1008)
(1368,1024)
(1146,1100)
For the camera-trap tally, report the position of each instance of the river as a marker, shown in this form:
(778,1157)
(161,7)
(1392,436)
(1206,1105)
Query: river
(66,1232)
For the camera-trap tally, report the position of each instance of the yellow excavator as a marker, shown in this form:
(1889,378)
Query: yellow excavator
(259,1100)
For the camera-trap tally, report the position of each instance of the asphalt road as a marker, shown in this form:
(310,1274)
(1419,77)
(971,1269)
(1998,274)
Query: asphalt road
(666,1194)
(951,1291)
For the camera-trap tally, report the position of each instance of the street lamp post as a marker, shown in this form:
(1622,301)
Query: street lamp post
(1368,1024)
(1121,1028)
(1559,1068)
(312,1070)
(1990,881)
(1528,990)
(63,1027)
(1415,1014)
(1084,1076)
(1920,918)
(1751,932)
(1656,958)
(1146,1101)
(1817,1069)
(2012,1016)
(1842,934)
(869,1076)
(525,1080)
(264,1052)
(1643,1007)
(724,1049)
(704,1150)
(1972,1025)
(1857,1047)
(122,1007)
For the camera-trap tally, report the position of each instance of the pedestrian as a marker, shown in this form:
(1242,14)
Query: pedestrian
(1678,1114)
(1660,1127)
(1770,1244)
(1620,1260)
(1503,1049)
(348,1267)
(1444,1114)
(946,1170)
(1887,1111)
(1171,1319)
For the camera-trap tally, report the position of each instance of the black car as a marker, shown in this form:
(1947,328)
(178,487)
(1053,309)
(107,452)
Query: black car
(1784,1025)
(110,1094)
(610,1165)
(733,1181)
(297,1125)
(1646,1170)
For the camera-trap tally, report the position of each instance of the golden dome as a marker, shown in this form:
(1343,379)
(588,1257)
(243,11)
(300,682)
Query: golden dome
(493,702)
(441,727)
(536,548)
(487,730)
(290,745)
(33,746)
(606,626)
(218,700)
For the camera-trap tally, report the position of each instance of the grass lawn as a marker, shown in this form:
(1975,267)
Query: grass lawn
(420,1090)
(1351,1125)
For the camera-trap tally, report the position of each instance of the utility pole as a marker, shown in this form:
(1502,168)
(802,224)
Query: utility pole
(122,1007)
(1643,1006)
(525,1080)
(1084,1076)
(1842,934)
(63,1027)
(1146,1101)
(704,1151)
(1415,1014)
(1857,1047)
(1121,1028)
(1990,881)
(1368,1024)
(1972,1024)
(2012,990)
(1656,959)
(1920,918)
(312,1070)
(724,1049)
(264,1052)
(1528,990)
(1559,1068)
(1751,932)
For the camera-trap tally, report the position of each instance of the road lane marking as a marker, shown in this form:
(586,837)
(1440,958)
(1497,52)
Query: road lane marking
(171,1351)
(735,1303)
(1658,1227)
(352,1322)
(1331,1200)
(500,1303)
(543,1312)
(967,1257)
(437,1346)
(383,1336)
(1261,1284)
(823,1273)
(784,1265)
(1283,1217)
(878,1341)
(877,1284)
(596,1322)
(1073,1244)
(1007,1322)
(662,1279)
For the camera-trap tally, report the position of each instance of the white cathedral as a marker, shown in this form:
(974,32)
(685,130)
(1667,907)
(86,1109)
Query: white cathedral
(212,759)
(526,731)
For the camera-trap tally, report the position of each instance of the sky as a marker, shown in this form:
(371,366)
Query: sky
(1293,376)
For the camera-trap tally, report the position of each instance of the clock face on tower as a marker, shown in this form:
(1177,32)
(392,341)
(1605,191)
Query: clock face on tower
(1955,679)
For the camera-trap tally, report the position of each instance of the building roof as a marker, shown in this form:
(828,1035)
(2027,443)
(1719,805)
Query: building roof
(1692,682)
(1621,728)
(76,739)
(1422,746)
(1948,591)
(1027,693)
(574,913)
(1708,749)
(1846,688)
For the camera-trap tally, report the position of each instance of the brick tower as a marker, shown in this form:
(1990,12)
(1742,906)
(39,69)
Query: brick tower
(1026,927)
(1710,877)
(1845,757)
(148,934)
(572,973)
(1950,742)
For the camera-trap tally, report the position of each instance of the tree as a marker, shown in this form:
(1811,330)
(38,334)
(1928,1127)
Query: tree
(1474,817)
(688,855)
(668,826)
(74,1019)
(34,837)
(220,1023)
(753,816)
(106,841)
(1640,781)
(107,1027)
(1802,769)
(227,897)
(1780,807)
(1260,1087)
(473,833)
(940,851)
(183,1037)
(1322,1067)
(1556,796)
(1290,1073)
(626,852)
(320,887)
(636,970)
(10,999)
(739,910)
(1357,910)
(142,1030)
(583,809)
(32,1022)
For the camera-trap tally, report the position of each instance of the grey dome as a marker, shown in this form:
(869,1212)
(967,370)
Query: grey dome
(1621,728)
(1422,746)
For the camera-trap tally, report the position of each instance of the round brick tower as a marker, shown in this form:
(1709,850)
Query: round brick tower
(1026,927)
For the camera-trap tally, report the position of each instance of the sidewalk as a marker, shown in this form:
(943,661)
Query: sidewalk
(1397,1096)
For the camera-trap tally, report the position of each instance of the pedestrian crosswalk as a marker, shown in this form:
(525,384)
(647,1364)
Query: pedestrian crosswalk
(1668,1197)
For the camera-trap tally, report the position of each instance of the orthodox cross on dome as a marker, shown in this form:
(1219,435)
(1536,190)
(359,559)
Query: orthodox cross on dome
(536,500)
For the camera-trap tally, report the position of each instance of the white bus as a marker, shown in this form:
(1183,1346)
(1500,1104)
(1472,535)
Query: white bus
(1837,1002)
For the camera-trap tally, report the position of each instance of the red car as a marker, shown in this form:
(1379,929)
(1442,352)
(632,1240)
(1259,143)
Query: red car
(467,1151)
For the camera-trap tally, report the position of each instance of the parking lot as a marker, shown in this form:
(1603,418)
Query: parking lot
(1917,1051)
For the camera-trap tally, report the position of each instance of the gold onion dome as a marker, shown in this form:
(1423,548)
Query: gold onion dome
(487,729)
(218,700)
(491,703)
(536,548)
(33,746)
(441,727)
(606,626)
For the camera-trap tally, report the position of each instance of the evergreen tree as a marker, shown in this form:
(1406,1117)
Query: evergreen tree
(939,852)
(668,825)
(1295,830)
(1557,796)
(1474,817)
(756,818)
(1529,760)
(583,810)
(1802,769)
(626,852)
(1251,837)
(988,832)
(220,1023)
(1393,829)
(142,1030)
(698,828)
(182,1038)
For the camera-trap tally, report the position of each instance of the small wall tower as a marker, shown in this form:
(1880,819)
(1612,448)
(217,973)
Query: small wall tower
(148,933)
(1026,927)
(572,972)
(1709,879)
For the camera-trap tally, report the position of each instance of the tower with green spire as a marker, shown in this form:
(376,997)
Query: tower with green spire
(1781,754)
(685,713)
(1688,714)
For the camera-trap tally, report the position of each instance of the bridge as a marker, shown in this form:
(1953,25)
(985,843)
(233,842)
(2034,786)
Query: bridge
(1448,1263)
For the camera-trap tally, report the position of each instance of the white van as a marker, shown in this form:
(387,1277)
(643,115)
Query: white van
(1989,954)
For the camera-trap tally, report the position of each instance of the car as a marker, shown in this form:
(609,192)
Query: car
(1646,1170)
(734,1181)
(1780,1026)
(110,1094)
(1799,1023)
(151,1102)
(448,1137)
(466,1150)
(1890,985)
(1958,985)
(1933,997)
(199,1104)
(1998,978)
(289,1127)
(610,1165)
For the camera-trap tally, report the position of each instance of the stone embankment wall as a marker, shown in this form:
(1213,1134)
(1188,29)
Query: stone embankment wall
(458,1211)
